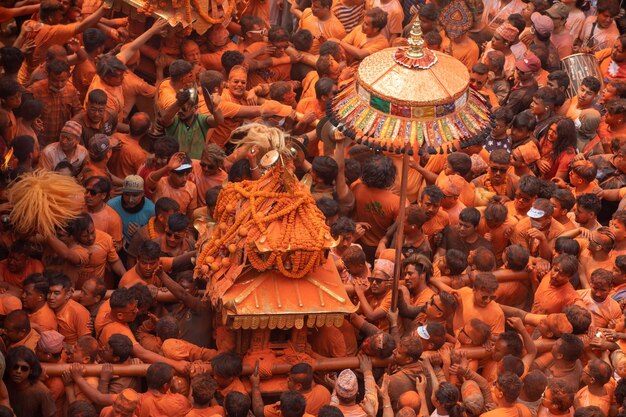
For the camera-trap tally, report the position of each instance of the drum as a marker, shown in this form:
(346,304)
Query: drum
(579,66)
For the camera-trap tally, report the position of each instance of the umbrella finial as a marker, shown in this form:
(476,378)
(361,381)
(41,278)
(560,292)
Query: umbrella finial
(416,41)
(416,55)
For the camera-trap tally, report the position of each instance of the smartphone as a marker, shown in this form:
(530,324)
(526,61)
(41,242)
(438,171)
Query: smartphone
(208,100)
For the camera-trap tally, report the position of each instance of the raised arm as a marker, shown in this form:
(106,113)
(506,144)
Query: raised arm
(257,399)
(150,357)
(175,161)
(63,251)
(134,46)
(90,392)
(92,19)
(21,11)
(179,292)
(371,314)
(529,344)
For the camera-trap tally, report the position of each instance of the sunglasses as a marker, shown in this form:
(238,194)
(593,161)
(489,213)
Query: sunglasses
(432,303)
(466,335)
(498,169)
(92,192)
(260,32)
(23,368)
(377,280)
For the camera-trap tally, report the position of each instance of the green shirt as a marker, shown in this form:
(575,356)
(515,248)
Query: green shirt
(191,138)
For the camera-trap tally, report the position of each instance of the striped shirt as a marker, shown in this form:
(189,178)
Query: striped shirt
(349,16)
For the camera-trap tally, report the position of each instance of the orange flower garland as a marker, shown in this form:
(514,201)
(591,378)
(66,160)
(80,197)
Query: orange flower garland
(248,213)
(151,232)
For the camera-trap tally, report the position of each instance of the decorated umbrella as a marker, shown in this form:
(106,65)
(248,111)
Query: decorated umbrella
(407,98)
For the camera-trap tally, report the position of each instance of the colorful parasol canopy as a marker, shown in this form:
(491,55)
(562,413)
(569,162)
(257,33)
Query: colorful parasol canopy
(402,98)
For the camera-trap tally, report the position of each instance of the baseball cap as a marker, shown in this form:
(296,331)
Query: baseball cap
(529,63)
(185,165)
(535,213)
(132,184)
(558,11)
(543,24)
(100,143)
(422,331)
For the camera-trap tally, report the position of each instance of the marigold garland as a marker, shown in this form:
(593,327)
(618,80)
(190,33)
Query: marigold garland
(247,214)
(151,232)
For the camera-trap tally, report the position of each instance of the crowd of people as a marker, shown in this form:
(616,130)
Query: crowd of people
(513,266)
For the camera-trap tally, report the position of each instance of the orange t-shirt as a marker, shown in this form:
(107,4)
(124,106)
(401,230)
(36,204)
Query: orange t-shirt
(435,225)
(82,76)
(204,182)
(30,340)
(492,315)
(466,51)
(108,221)
(467,193)
(45,318)
(316,398)
(74,321)
(358,39)
(9,303)
(420,299)
(549,299)
(47,36)
(32,266)
(413,180)
(181,350)
(385,304)
(166,95)
(377,207)
(331,28)
(134,88)
(499,238)
(91,169)
(328,341)
(128,159)
(115,327)
(213,60)
(115,96)
(132,277)
(601,313)
(236,385)
(93,259)
(606,135)
(186,197)
(519,235)
(153,404)
(215,410)
(57,389)
(230,107)
(103,316)
(519,410)
(280,70)
(308,85)
(584,398)
(311,104)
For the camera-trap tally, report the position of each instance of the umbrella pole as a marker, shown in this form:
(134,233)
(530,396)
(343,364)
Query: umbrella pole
(400,230)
